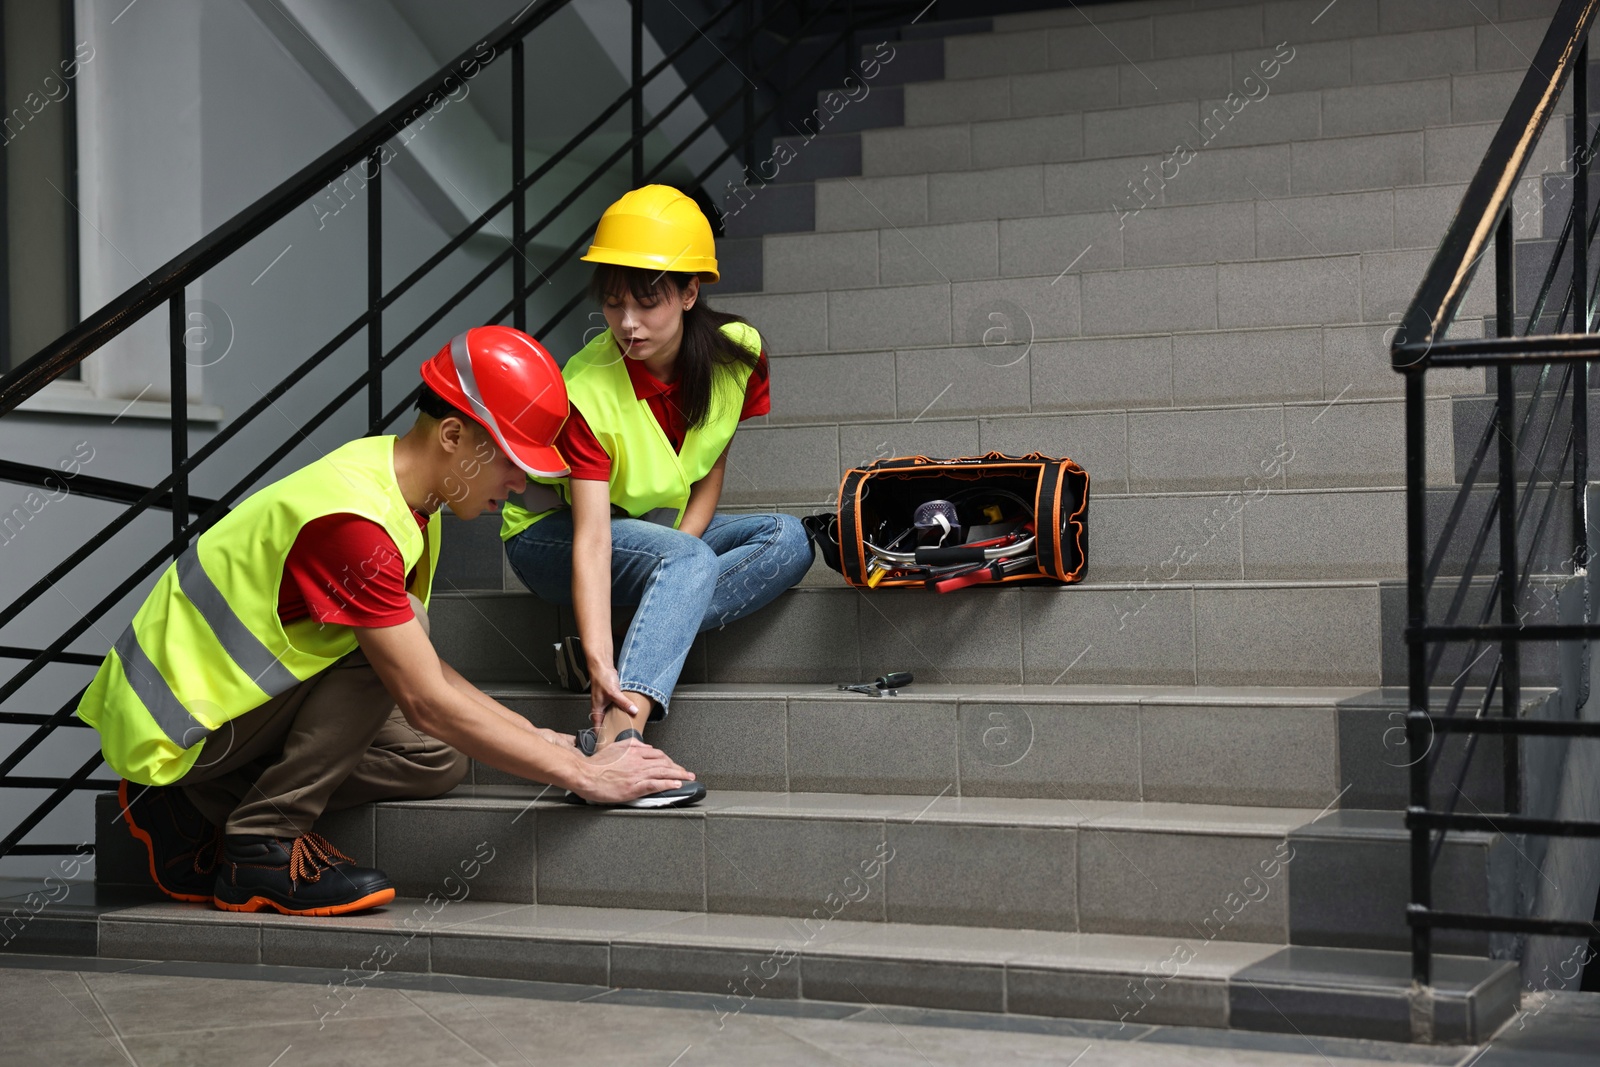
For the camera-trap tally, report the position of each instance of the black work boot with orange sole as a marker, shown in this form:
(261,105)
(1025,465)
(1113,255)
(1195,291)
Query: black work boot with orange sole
(304,875)
(183,847)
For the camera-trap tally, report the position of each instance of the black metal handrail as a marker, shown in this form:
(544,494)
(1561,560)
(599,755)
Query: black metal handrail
(1556,344)
(777,27)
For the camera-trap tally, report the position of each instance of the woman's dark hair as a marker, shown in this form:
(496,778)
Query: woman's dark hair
(705,348)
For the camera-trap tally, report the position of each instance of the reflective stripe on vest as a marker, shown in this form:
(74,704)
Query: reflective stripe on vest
(243,647)
(181,728)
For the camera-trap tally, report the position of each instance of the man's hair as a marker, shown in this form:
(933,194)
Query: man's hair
(435,406)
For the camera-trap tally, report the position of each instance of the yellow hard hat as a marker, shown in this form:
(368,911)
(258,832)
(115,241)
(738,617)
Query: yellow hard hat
(657,228)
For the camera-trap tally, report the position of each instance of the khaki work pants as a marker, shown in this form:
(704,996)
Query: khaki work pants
(331,742)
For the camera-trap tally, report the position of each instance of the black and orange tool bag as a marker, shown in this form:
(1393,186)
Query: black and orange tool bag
(945,524)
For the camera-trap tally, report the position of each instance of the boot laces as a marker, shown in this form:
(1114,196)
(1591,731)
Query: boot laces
(310,855)
(206,854)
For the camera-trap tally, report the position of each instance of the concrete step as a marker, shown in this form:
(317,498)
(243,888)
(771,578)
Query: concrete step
(1388,15)
(1309,116)
(1069,866)
(1246,228)
(1308,291)
(1131,185)
(1165,631)
(1017,373)
(1068,38)
(738,959)
(1207,125)
(1347,443)
(1176,632)
(1007,91)
(858,105)
(1281,535)
(1256,746)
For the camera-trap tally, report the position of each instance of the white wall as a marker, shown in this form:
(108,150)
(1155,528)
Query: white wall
(189,112)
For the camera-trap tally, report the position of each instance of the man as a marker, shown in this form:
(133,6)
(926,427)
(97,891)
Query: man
(281,667)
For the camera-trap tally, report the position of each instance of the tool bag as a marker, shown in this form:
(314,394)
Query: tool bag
(1018,519)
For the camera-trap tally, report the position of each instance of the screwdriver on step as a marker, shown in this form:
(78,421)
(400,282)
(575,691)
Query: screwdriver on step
(887,686)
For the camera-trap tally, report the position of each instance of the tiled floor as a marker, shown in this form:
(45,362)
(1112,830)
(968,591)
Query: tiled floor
(70,1010)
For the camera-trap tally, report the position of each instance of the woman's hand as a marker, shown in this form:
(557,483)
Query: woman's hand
(605,691)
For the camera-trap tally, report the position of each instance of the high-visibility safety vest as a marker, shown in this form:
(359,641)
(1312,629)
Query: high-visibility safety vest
(649,480)
(207,645)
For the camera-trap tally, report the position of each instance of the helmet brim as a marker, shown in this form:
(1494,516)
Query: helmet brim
(706,268)
(537,461)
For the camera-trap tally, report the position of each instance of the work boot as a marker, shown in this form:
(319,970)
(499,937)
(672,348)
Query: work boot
(305,875)
(687,792)
(183,847)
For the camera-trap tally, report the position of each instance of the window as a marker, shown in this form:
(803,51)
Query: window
(38,173)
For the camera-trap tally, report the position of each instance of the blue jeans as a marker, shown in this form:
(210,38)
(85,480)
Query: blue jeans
(681,584)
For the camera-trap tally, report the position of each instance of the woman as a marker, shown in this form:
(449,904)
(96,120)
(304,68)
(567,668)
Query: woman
(655,399)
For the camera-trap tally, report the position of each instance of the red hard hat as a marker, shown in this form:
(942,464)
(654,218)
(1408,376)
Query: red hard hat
(508,384)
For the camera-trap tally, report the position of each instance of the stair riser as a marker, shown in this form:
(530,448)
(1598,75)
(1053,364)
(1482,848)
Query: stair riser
(1188,753)
(793,966)
(1316,291)
(1315,65)
(1170,636)
(1062,39)
(1263,117)
(1289,228)
(1363,887)
(1345,444)
(1057,878)
(1084,879)
(755,208)
(1273,537)
(1222,173)
(1016,375)
(1285,756)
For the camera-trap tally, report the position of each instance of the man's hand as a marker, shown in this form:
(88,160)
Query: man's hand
(627,770)
(563,740)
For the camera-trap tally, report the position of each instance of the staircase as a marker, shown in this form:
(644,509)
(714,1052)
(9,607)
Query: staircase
(1169,795)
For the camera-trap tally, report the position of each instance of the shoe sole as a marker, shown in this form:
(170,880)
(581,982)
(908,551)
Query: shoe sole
(651,802)
(371,900)
(143,835)
(664,802)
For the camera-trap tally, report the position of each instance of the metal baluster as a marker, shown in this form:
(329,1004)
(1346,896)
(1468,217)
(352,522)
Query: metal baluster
(637,75)
(519,200)
(1419,732)
(180,422)
(1505,279)
(375,291)
(748,90)
(1585,323)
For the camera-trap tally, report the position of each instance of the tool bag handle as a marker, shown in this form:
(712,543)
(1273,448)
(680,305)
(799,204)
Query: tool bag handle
(903,462)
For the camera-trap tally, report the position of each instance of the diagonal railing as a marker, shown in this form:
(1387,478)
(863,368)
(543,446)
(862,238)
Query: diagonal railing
(1528,472)
(767,35)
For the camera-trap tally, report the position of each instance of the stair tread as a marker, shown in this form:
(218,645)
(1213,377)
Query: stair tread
(838,937)
(1211,696)
(1234,820)
(842,937)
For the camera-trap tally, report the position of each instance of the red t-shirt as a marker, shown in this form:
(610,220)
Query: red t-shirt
(345,570)
(589,460)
